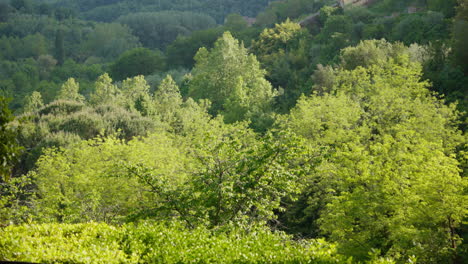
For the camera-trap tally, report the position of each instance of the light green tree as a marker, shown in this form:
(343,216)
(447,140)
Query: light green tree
(167,100)
(70,91)
(371,52)
(135,95)
(33,102)
(390,181)
(105,92)
(233,81)
(280,37)
(88,181)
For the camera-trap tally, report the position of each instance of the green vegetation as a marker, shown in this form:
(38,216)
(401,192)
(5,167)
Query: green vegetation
(157,243)
(185,132)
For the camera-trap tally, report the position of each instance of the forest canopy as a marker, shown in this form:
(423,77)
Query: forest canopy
(233,131)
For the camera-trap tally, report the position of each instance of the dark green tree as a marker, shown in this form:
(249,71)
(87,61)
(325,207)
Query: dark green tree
(9,147)
(5,10)
(59,47)
(460,36)
(139,61)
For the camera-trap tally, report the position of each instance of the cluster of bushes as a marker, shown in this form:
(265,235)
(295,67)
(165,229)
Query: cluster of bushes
(149,242)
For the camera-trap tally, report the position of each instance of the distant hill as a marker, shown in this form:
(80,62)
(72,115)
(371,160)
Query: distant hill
(109,10)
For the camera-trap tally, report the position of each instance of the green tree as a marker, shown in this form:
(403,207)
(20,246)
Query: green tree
(390,180)
(243,178)
(284,52)
(70,91)
(372,52)
(445,6)
(59,46)
(181,52)
(334,36)
(421,28)
(25,6)
(9,147)
(233,81)
(104,91)
(135,94)
(46,64)
(159,29)
(167,100)
(33,102)
(110,40)
(235,23)
(233,176)
(83,183)
(460,34)
(5,11)
(138,61)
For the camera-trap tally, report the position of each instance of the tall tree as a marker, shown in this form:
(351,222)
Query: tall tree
(59,47)
(9,147)
(70,91)
(390,181)
(167,99)
(105,92)
(284,52)
(138,61)
(233,81)
(33,102)
(460,35)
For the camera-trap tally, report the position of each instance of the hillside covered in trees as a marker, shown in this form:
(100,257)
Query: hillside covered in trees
(233,131)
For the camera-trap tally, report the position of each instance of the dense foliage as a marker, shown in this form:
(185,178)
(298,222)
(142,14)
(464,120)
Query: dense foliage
(184,131)
(157,243)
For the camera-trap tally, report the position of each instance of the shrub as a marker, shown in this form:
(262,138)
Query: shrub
(156,243)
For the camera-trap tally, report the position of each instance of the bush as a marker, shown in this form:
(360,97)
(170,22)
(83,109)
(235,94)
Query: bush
(61,107)
(156,243)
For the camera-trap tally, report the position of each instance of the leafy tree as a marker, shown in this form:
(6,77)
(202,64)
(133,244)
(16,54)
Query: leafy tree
(447,7)
(335,35)
(110,40)
(284,53)
(70,91)
(279,11)
(46,64)
(328,11)
(90,188)
(181,52)
(460,36)
(135,93)
(390,180)
(242,178)
(15,200)
(104,91)
(34,46)
(372,52)
(167,100)
(235,22)
(5,10)
(63,123)
(158,29)
(9,147)
(25,6)
(417,28)
(59,47)
(233,81)
(138,61)
(33,102)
